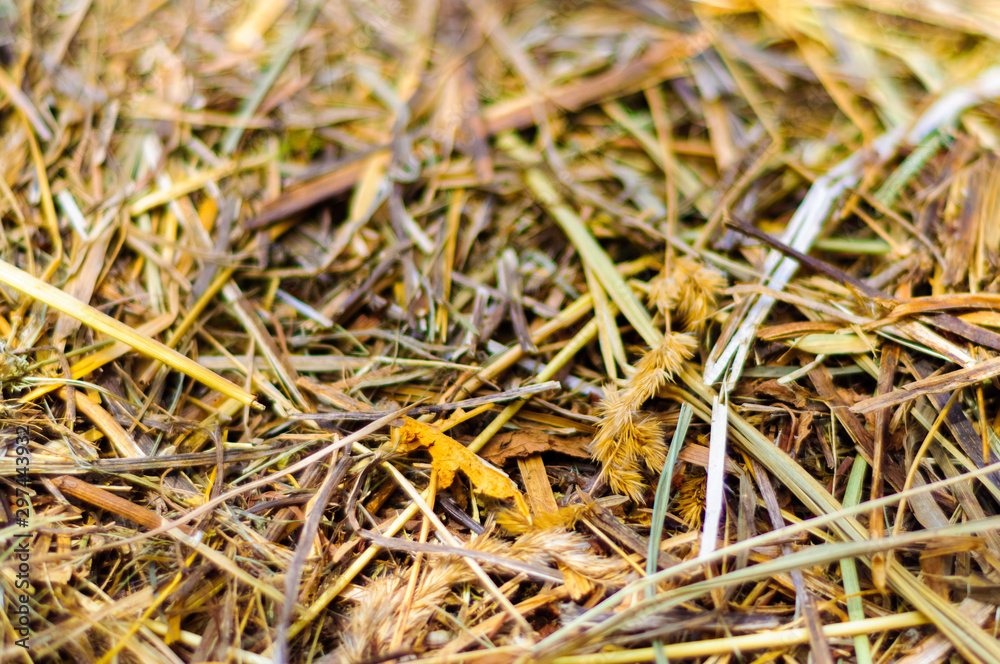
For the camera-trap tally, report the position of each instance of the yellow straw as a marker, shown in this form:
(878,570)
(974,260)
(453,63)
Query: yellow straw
(39,290)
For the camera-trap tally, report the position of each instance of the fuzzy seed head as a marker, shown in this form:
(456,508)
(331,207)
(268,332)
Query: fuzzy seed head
(687,291)
(625,439)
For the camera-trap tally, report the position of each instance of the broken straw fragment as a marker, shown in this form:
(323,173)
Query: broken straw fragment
(37,289)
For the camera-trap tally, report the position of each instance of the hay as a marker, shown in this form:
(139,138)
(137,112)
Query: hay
(566,332)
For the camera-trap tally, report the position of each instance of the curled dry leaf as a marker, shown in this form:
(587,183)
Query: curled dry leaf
(448,456)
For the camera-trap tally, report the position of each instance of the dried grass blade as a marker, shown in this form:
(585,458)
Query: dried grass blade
(660,504)
(21,101)
(931,303)
(610,340)
(876,521)
(848,567)
(39,290)
(335,474)
(952,380)
(733,645)
(715,480)
(594,256)
(196,182)
(94,495)
(264,83)
(662,500)
(93,362)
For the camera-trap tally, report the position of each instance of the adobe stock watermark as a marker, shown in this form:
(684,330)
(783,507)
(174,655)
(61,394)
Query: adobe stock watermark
(21,618)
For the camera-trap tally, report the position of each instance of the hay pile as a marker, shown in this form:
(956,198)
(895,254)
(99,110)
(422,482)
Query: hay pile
(460,331)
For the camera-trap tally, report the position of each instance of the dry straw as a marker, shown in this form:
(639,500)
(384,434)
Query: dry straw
(37,289)
(485,210)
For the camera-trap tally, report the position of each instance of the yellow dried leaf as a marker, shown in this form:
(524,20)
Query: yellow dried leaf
(448,456)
